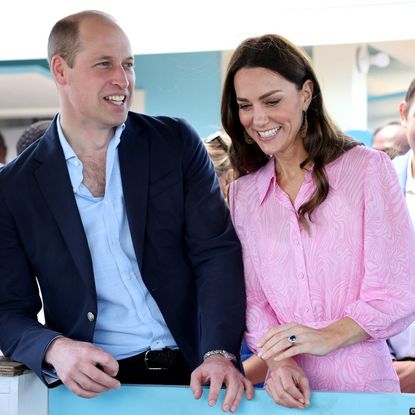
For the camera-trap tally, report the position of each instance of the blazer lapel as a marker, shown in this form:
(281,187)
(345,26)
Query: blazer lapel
(133,152)
(54,183)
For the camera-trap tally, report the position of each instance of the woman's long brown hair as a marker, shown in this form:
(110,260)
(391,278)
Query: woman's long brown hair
(323,141)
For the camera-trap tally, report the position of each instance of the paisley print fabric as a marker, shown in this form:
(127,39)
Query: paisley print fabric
(356,260)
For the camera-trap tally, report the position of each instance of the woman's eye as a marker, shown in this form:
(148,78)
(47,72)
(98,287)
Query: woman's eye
(243,106)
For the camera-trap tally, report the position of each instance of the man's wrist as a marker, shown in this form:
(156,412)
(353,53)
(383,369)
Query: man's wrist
(224,353)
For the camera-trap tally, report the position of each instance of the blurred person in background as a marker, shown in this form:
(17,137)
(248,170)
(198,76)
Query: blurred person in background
(391,138)
(31,133)
(218,145)
(3,150)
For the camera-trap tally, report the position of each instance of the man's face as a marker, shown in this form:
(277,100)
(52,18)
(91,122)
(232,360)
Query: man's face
(98,88)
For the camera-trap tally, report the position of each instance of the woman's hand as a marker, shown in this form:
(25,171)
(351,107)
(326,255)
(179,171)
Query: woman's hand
(276,342)
(288,385)
(288,340)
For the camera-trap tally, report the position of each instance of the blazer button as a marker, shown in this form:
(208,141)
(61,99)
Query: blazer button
(91,316)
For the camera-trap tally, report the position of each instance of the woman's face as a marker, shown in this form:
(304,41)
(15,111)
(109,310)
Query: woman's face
(271,109)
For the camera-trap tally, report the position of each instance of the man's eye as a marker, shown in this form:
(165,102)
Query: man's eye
(273,102)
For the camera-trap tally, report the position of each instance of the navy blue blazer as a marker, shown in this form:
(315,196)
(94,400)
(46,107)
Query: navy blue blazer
(188,253)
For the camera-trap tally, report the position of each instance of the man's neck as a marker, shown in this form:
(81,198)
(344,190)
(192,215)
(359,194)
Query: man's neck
(86,140)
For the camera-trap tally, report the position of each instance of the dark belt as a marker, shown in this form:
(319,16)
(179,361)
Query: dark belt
(163,359)
(165,367)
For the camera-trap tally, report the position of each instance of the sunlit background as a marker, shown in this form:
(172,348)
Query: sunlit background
(363,52)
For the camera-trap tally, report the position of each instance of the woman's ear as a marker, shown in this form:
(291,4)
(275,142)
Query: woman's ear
(307,91)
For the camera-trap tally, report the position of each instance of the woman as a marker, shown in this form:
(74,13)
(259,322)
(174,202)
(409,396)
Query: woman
(319,216)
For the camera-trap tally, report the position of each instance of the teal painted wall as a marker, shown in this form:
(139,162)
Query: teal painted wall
(186,85)
(176,400)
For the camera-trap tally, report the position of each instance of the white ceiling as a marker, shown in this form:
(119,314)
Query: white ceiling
(164,26)
(161,26)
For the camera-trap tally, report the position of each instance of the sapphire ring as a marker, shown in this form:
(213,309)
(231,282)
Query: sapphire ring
(292,339)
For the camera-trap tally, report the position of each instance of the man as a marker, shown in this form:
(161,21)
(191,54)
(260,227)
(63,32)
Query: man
(403,345)
(391,138)
(3,150)
(119,217)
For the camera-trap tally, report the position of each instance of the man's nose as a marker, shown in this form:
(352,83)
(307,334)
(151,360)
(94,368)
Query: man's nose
(120,77)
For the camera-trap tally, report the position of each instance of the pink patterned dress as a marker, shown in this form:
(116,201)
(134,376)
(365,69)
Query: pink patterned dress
(357,261)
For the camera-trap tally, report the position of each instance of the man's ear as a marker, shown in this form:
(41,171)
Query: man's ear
(307,91)
(402,113)
(59,68)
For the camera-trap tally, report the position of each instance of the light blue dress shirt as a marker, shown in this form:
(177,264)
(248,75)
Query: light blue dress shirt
(128,320)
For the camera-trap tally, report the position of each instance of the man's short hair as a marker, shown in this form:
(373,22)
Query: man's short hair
(64,36)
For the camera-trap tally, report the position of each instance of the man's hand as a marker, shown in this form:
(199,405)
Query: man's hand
(84,368)
(218,370)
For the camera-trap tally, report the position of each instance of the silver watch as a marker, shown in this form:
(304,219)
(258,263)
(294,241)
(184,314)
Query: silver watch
(223,353)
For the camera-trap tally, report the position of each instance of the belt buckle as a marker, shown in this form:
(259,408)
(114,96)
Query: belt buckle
(147,362)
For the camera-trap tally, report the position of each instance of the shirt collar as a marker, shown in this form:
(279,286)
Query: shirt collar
(265,178)
(68,150)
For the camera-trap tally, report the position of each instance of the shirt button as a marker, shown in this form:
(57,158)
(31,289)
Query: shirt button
(307,309)
(74,189)
(301,275)
(91,316)
(105,203)
(130,276)
(76,163)
(297,242)
(113,241)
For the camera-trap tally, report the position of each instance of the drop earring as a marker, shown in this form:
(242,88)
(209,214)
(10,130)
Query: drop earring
(248,139)
(304,127)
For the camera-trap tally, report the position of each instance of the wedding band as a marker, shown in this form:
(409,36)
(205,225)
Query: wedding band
(292,339)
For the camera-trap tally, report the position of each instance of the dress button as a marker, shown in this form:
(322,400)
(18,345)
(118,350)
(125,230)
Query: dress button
(91,316)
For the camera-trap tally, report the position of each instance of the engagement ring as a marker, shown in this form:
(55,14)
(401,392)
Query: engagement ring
(292,339)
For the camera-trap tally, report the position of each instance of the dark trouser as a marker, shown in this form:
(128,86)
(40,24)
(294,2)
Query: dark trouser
(158,367)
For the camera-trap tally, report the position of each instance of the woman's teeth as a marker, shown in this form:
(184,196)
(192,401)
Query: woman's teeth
(268,133)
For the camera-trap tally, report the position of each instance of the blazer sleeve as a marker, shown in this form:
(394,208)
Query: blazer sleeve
(387,296)
(214,251)
(22,337)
